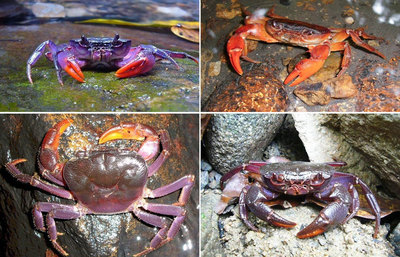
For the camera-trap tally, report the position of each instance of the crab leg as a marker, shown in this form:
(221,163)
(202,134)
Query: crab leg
(28,179)
(155,221)
(307,67)
(334,213)
(49,165)
(38,53)
(372,202)
(185,183)
(171,210)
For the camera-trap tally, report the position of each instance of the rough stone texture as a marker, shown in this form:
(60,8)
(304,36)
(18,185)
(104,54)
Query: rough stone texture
(351,239)
(235,139)
(394,239)
(92,235)
(210,243)
(287,143)
(367,142)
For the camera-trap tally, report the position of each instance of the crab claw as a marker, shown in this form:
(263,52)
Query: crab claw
(307,67)
(135,131)
(73,69)
(235,48)
(137,66)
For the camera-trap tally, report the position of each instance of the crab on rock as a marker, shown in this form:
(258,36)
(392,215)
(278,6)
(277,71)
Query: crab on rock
(320,41)
(107,181)
(102,54)
(277,176)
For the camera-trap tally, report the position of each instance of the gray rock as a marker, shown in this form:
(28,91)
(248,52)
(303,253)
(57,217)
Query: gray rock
(233,139)
(48,10)
(210,243)
(204,179)
(367,142)
(205,166)
(394,239)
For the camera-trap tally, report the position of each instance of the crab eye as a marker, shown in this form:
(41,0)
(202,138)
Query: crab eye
(308,32)
(276,24)
(317,180)
(84,41)
(277,179)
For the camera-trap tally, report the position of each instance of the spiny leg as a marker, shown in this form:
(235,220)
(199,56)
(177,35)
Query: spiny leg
(169,55)
(185,183)
(170,210)
(333,214)
(156,221)
(36,182)
(60,211)
(345,47)
(38,53)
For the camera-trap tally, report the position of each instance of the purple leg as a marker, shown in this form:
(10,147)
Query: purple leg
(166,54)
(244,214)
(39,52)
(334,213)
(27,179)
(55,211)
(156,221)
(255,199)
(185,183)
(350,179)
(170,210)
(165,142)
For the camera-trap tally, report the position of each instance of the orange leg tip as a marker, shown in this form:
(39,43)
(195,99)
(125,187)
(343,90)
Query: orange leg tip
(15,162)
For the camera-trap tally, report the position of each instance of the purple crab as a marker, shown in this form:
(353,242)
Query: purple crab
(107,181)
(257,183)
(102,54)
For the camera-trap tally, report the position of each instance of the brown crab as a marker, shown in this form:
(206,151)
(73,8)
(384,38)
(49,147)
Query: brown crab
(107,181)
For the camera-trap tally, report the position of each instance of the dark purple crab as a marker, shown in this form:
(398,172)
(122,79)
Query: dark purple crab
(102,54)
(279,176)
(107,181)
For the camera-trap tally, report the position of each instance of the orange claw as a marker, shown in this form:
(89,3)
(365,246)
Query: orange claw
(131,69)
(74,71)
(133,131)
(235,48)
(307,67)
(52,138)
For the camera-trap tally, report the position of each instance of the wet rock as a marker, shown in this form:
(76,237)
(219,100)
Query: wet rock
(203,179)
(321,93)
(232,140)
(92,235)
(214,179)
(210,244)
(48,10)
(257,91)
(394,239)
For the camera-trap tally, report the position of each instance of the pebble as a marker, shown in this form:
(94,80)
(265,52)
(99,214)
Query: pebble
(205,166)
(48,10)
(349,20)
(204,179)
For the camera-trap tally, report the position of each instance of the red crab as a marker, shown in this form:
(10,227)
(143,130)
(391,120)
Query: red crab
(320,41)
(277,176)
(107,181)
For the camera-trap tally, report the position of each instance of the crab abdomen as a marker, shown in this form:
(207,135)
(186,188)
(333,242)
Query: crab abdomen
(106,181)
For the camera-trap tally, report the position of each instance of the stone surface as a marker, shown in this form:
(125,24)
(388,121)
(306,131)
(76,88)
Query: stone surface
(232,140)
(367,142)
(92,235)
(394,239)
(48,10)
